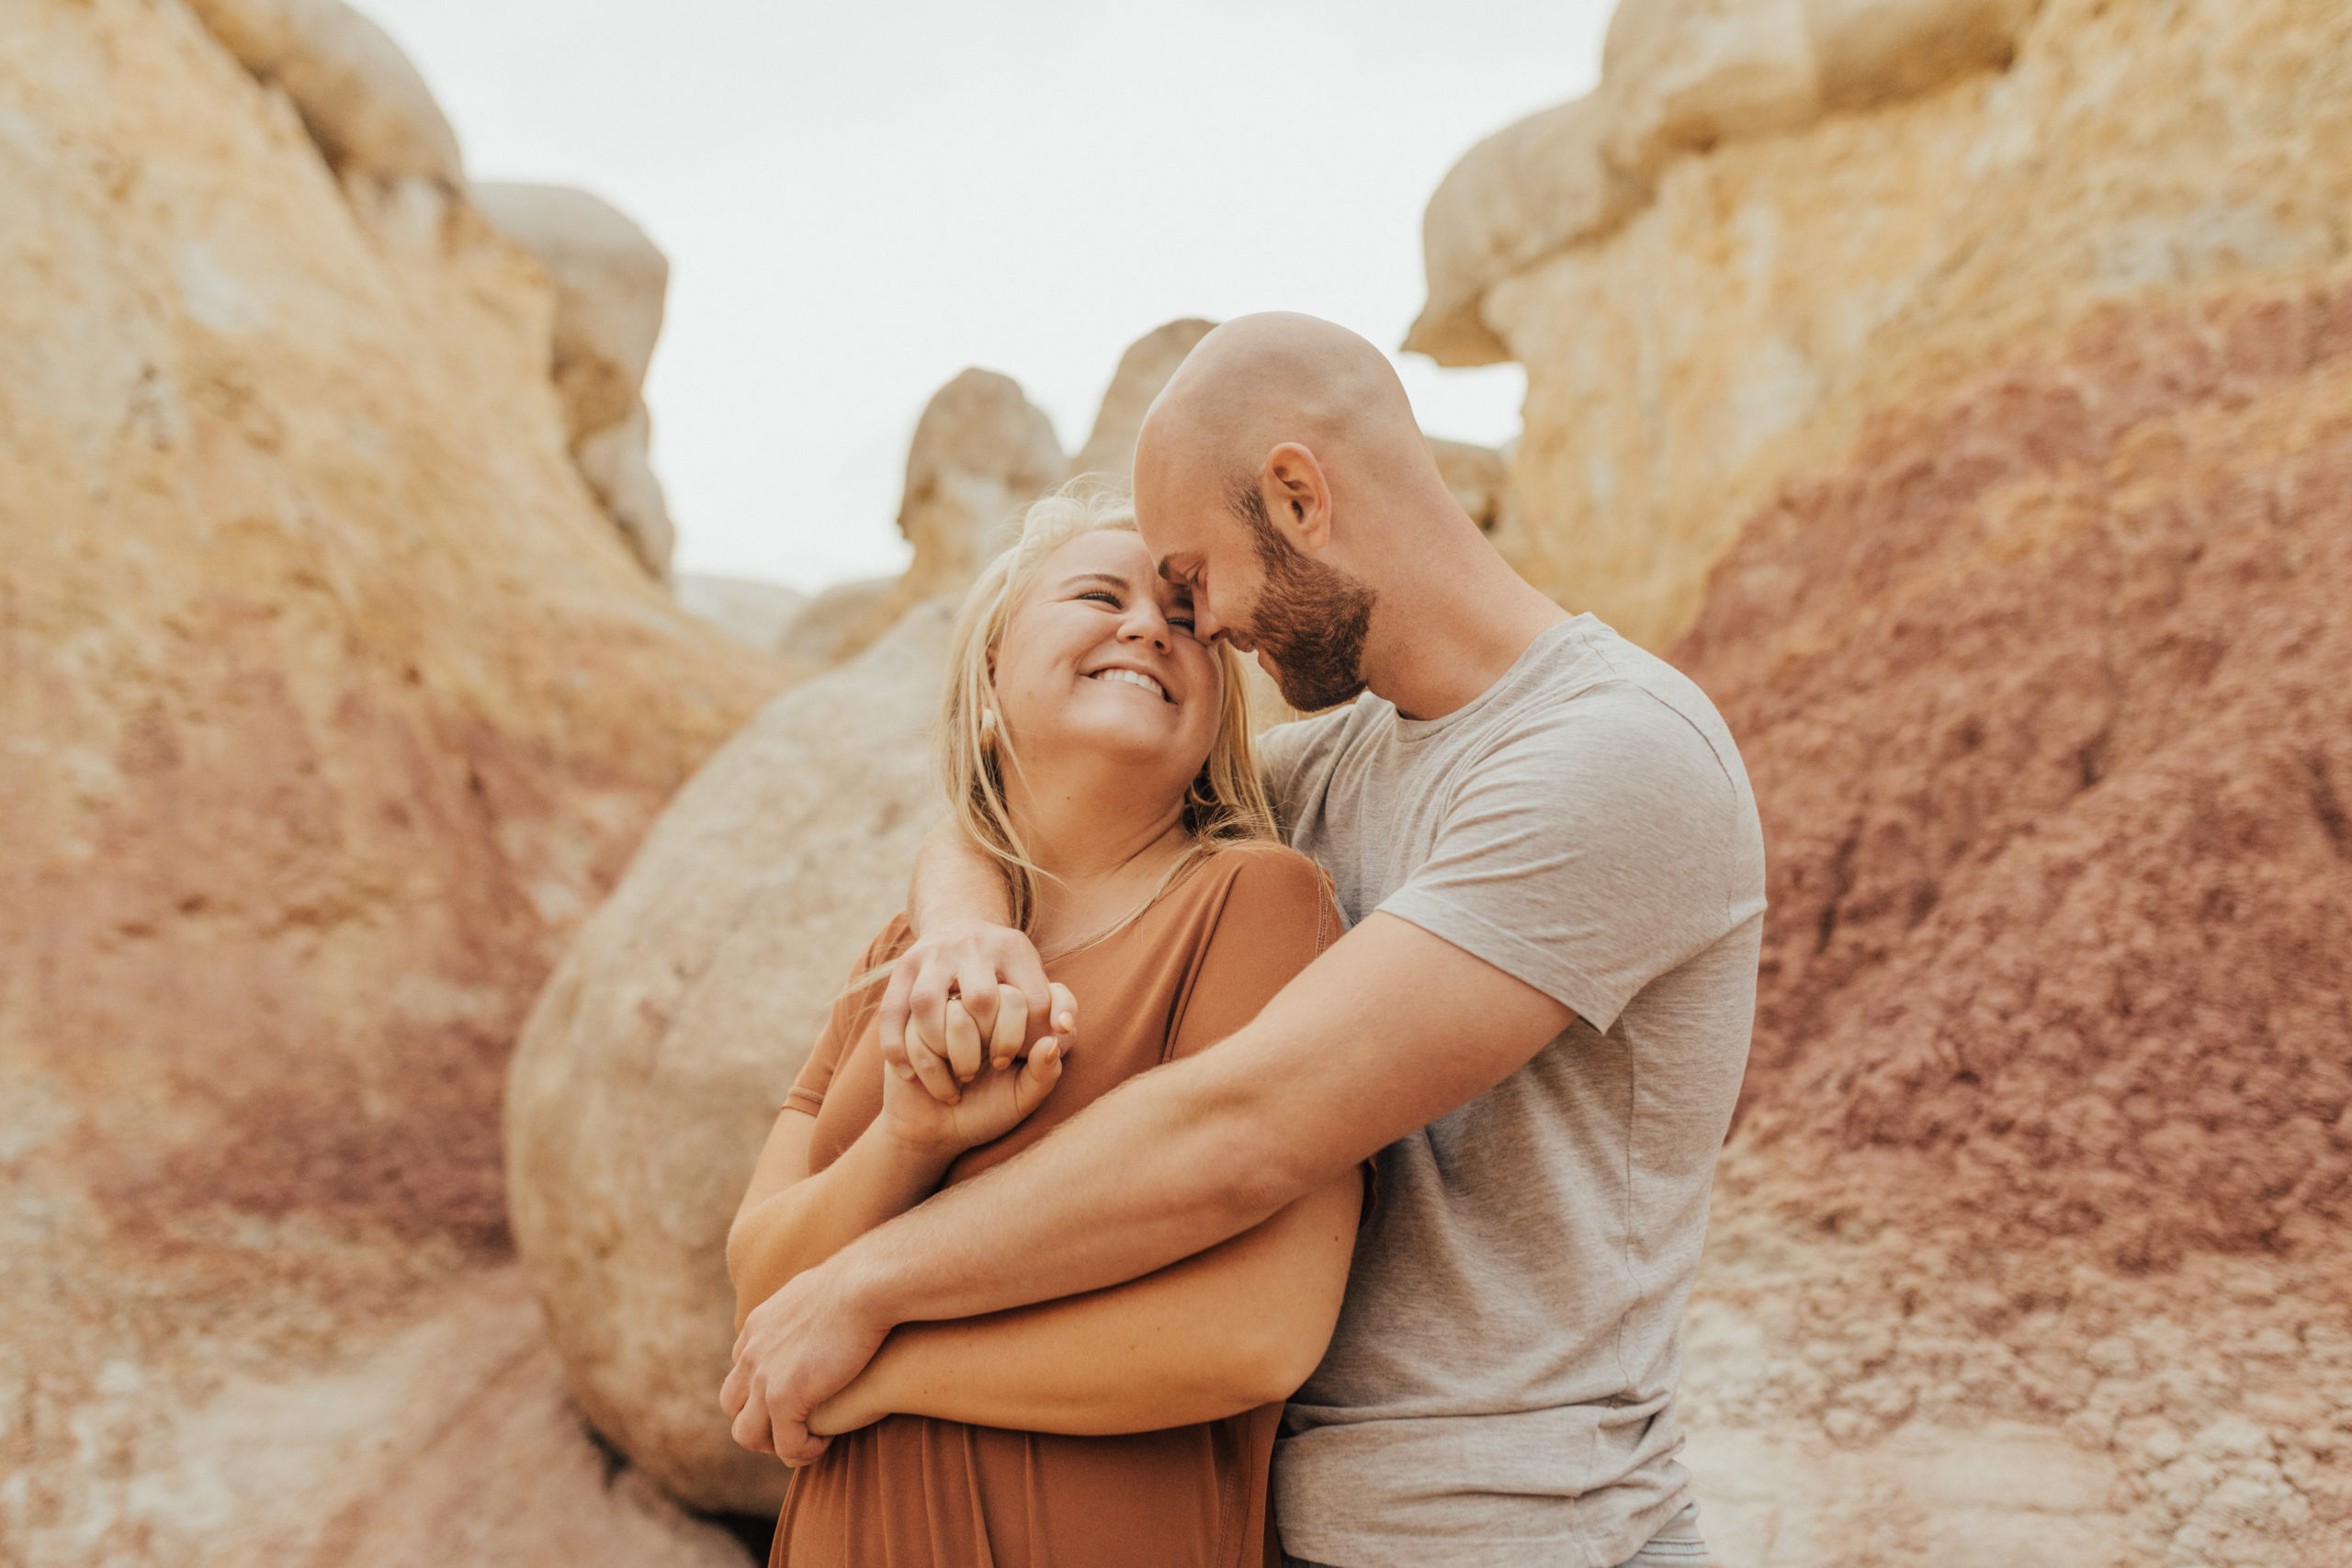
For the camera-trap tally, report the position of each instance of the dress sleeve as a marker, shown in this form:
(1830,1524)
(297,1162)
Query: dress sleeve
(851,1009)
(1276,915)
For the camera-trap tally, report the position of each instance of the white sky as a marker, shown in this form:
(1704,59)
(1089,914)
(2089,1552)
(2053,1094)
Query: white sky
(860,200)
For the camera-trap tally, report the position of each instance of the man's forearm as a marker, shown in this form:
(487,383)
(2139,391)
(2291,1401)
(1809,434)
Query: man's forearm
(1163,1167)
(1235,1328)
(955,883)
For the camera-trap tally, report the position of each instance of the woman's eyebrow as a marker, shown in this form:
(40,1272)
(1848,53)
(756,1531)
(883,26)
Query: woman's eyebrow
(1113,578)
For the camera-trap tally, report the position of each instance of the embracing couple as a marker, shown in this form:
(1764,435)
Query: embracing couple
(1289,1149)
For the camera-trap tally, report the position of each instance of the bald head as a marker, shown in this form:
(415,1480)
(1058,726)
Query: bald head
(1258,381)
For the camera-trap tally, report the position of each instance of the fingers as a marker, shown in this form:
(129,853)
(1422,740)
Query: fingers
(1019,967)
(1012,1027)
(1064,1019)
(752,1428)
(1038,1076)
(976,968)
(929,1062)
(964,1049)
(927,1006)
(736,1391)
(896,997)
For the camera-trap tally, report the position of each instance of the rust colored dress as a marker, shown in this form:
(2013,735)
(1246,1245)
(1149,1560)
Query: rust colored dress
(911,1492)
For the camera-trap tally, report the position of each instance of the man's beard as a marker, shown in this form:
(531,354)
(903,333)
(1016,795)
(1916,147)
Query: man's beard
(1310,619)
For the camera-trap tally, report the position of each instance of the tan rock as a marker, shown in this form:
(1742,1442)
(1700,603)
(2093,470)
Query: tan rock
(610,281)
(1872,51)
(652,1066)
(610,285)
(840,621)
(1535,187)
(1110,452)
(616,461)
(362,100)
(1679,78)
(333,705)
(750,610)
(1743,323)
(981,453)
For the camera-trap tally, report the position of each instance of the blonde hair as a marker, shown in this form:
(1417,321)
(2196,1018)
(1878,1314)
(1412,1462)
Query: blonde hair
(1224,803)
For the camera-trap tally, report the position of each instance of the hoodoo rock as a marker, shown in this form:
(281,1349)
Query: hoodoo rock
(361,99)
(1110,451)
(982,453)
(610,283)
(333,705)
(655,1064)
(1714,280)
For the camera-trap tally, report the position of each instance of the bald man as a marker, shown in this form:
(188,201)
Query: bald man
(1544,843)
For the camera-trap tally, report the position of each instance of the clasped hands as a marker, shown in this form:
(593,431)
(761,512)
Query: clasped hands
(973,1037)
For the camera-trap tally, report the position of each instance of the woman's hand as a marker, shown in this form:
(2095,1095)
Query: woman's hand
(995,969)
(916,1112)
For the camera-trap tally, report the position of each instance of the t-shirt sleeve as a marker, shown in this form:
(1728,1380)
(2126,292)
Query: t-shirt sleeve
(1276,916)
(1583,854)
(846,1021)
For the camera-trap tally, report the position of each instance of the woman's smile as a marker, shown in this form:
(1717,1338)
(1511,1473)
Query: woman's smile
(1122,675)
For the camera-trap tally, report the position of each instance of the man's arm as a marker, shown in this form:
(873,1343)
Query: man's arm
(1238,1326)
(960,910)
(1389,1030)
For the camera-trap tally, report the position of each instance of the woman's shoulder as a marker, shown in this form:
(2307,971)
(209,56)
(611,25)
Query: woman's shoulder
(1264,870)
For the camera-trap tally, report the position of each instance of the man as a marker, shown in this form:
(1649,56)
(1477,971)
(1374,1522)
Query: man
(1545,845)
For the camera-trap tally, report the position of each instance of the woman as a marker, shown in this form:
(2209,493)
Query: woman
(1101,755)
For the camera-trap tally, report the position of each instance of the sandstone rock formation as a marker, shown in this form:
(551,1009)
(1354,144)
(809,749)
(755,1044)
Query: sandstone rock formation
(2045,1158)
(333,704)
(1110,451)
(982,452)
(1697,332)
(361,99)
(652,1066)
(610,281)
(750,610)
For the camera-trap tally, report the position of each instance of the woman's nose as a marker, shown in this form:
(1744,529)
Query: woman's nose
(1146,623)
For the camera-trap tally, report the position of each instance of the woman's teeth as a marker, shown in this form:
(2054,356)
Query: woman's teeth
(1133,678)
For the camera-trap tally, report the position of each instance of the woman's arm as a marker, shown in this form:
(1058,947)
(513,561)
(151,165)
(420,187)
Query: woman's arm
(790,1221)
(1237,1326)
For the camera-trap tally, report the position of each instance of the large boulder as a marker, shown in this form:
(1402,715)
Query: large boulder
(1110,451)
(655,1062)
(611,283)
(361,99)
(333,705)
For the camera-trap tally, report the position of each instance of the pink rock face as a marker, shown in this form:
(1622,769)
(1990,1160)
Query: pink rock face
(2047,696)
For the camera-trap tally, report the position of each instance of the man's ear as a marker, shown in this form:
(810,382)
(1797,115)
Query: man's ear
(1298,497)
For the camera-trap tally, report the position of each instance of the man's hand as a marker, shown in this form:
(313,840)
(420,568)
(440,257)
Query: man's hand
(798,1349)
(992,969)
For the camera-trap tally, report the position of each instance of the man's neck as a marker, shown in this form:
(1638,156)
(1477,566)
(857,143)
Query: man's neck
(1442,638)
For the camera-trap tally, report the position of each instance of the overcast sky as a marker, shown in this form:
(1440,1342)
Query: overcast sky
(859,200)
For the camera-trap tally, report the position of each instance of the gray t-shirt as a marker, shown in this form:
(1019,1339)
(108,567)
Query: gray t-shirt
(1498,1390)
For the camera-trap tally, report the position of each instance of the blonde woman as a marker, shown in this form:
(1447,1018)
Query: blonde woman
(1100,754)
